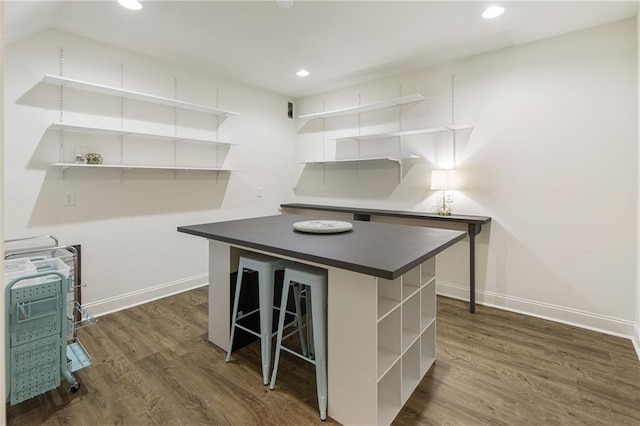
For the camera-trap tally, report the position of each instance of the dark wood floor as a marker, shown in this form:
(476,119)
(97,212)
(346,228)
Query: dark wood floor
(154,366)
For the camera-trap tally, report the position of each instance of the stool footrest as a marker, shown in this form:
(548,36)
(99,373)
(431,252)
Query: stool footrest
(248,330)
(299,355)
(297,330)
(247,314)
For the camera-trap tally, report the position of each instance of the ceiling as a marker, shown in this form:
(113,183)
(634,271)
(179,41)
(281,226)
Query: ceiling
(341,43)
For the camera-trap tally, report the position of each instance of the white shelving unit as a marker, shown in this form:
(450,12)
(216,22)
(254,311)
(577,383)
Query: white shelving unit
(387,103)
(406,337)
(121,134)
(399,134)
(86,86)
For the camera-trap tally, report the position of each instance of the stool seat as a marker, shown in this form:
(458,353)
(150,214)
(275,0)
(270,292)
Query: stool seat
(314,281)
(265,267)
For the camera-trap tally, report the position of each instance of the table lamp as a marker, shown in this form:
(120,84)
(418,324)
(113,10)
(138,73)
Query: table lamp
(443,180)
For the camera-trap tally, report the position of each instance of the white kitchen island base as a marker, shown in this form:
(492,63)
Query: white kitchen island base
(381,334)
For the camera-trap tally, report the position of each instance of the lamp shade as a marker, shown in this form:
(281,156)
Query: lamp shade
(443,179)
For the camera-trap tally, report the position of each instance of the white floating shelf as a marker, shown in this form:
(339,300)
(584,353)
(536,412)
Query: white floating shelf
(122,132)
(414,132)
(132,166)
(416,97)
(355,160)
(130,94)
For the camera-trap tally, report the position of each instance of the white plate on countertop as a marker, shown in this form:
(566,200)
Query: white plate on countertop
(323,226)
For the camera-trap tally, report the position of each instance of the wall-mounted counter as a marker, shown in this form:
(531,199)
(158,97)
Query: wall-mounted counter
(473,224)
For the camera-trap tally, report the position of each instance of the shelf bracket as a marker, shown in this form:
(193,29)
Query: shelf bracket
(399,161)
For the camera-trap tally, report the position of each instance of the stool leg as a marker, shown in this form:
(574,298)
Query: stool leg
(266,284)
(309,322)
(236,301)
(319,307)
(296,299)
(283,304)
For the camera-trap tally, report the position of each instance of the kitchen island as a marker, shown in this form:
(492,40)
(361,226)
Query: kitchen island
(381,302)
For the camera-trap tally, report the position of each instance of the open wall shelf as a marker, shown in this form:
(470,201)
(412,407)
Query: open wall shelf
(130,94)
(402,133)
(125,133)
(355,160)
(133,166)
(387,103)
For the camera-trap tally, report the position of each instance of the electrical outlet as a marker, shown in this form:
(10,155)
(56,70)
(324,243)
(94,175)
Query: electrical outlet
(449,198)
(70,198)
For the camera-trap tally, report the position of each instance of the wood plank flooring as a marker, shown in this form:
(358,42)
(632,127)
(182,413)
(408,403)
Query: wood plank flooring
(154,366)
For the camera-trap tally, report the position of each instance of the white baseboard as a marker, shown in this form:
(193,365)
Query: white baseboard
(146,295)
(575,317)
(636,339)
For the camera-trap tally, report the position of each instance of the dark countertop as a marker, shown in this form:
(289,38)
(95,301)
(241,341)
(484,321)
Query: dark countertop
(379,249)
(478,220)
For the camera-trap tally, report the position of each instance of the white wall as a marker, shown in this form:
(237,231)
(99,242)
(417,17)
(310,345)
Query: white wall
(552,159)
(127,228)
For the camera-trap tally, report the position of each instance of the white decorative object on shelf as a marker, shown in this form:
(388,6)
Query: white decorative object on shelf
(130,94)
(402,100)
(323,226)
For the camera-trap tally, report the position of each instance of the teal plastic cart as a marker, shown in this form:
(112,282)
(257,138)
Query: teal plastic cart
(41,311)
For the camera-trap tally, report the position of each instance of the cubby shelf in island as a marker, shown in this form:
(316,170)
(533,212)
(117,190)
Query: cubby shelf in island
(406,336)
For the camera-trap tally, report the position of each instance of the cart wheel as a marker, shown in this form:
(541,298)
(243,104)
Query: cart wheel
(74,387)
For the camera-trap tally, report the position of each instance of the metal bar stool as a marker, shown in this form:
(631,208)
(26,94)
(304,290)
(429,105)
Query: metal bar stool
(315,282)
(266,268)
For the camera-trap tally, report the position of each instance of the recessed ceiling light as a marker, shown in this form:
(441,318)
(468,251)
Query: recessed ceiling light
(492,12)
(130,4)
(285,4)
(302,73)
